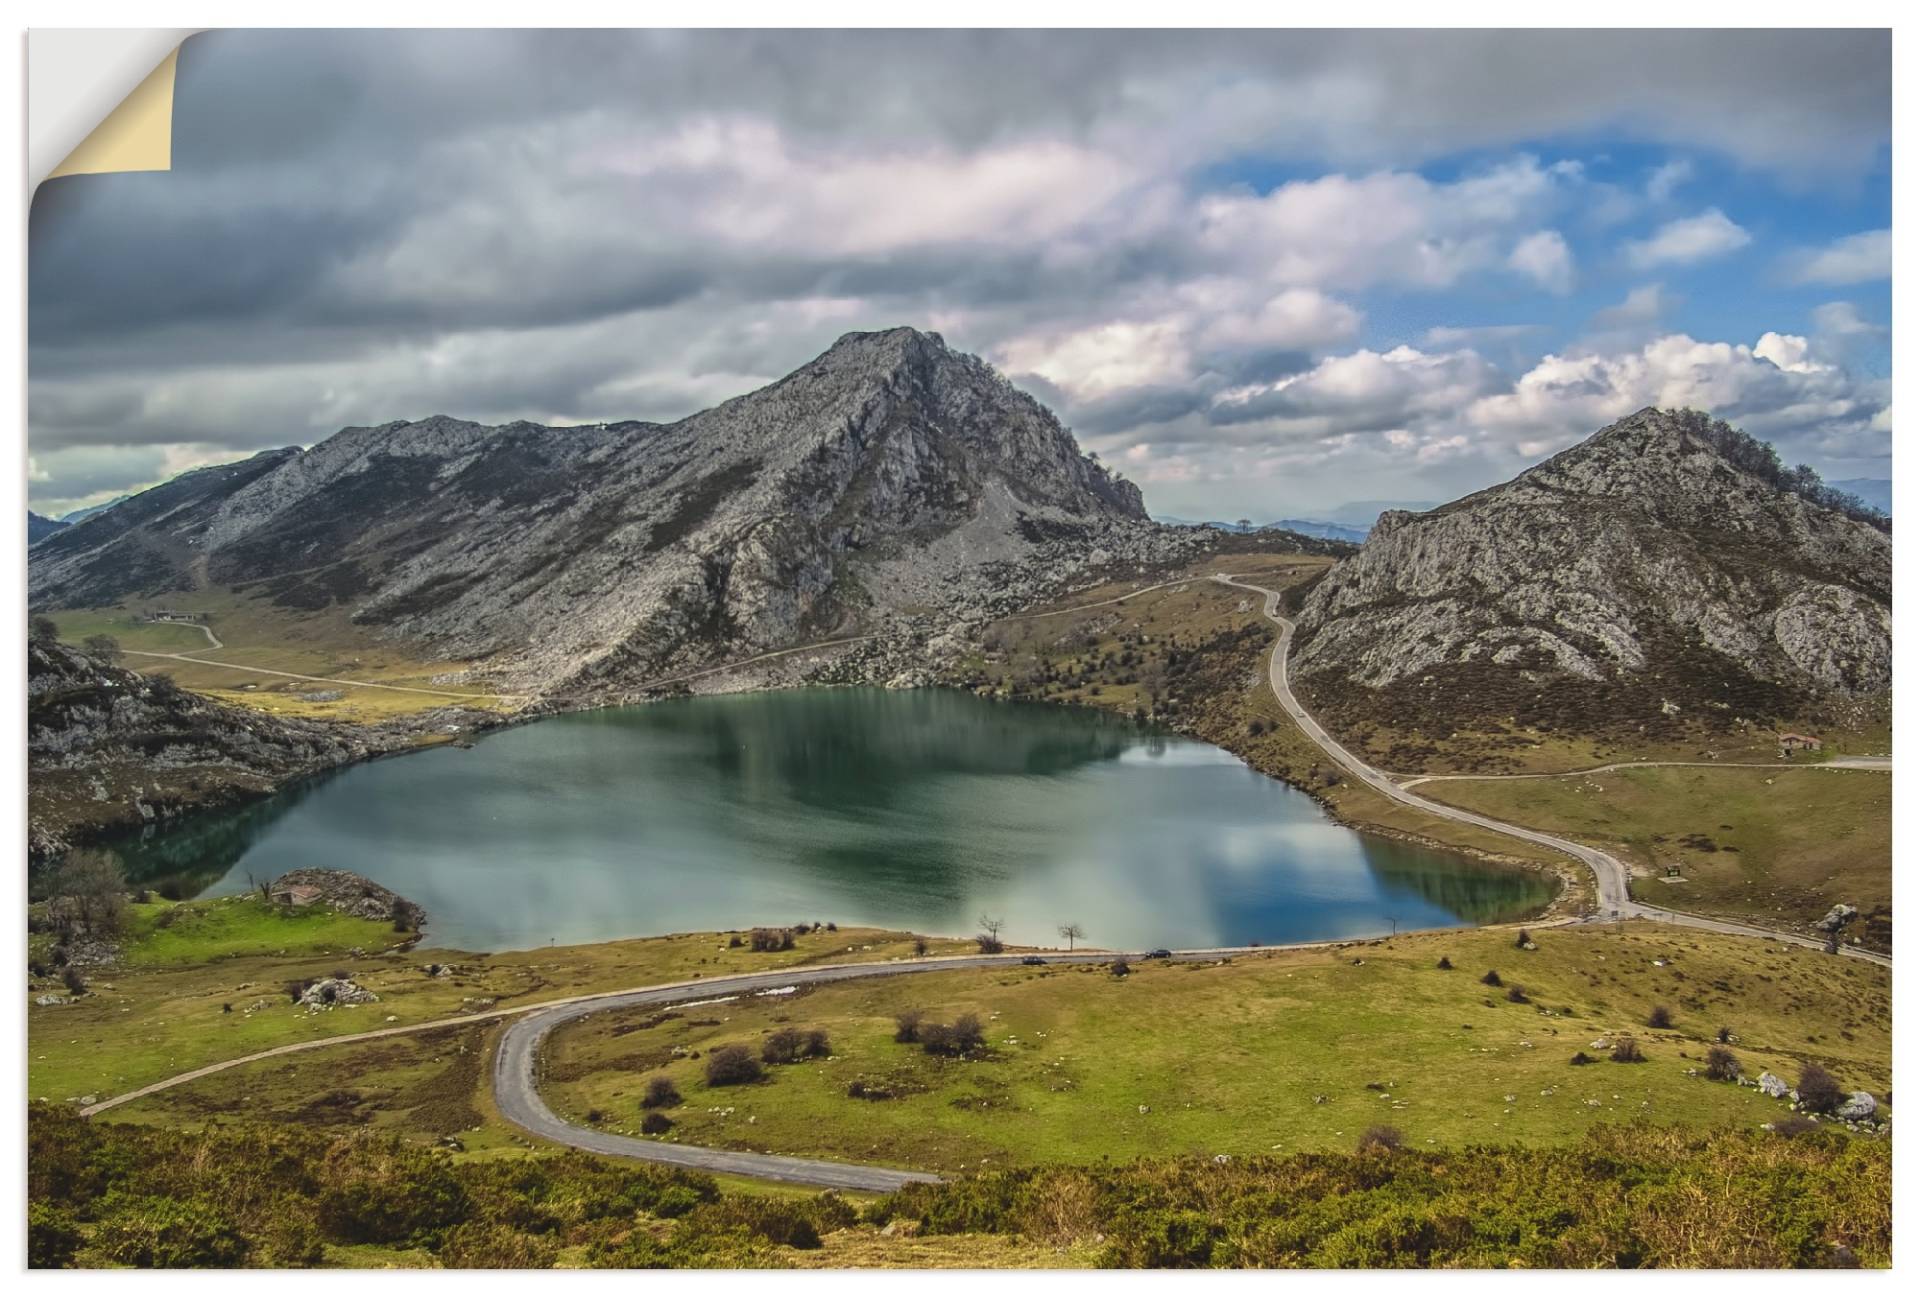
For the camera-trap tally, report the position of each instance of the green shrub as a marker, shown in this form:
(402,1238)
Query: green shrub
(477,1246)
(169,1234)
(53,1236)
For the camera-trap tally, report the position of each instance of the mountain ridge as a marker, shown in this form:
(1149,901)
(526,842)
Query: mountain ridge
(889,481)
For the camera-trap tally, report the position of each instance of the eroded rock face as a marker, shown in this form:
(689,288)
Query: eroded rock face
(1654,566)
(890,478)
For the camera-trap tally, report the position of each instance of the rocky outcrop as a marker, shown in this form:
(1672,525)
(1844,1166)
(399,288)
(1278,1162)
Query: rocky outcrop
(109,749)
(1772,1086)
(1666,567)
(889,483)
(1837,918)
(331,991)
(347,892)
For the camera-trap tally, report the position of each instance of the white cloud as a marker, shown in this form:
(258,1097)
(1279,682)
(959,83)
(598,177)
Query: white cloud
(1667,178)
(1690,239)
(1389,227)
(1854,259)
(1641,306)
(1416,424)
(1843,320)
(1544,258)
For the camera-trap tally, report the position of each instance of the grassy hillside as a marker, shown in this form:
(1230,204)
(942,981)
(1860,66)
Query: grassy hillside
(1777,847)
(211,986)
(1286,1052)
(260,639)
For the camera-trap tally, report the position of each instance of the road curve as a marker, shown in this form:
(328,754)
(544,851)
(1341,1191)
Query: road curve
(516,1064)
(1609,873)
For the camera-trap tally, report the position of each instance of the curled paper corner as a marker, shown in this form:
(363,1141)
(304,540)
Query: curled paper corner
(101,101)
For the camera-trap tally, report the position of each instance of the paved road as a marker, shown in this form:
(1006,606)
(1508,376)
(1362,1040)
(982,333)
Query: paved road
(1609,873)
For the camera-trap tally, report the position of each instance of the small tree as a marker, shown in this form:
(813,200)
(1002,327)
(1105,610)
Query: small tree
(661,1093)
(1072,932)
(656,1123)
(989,937)
(1444,963)
(1492,978)
(906,1026)
(1627,1050)
(1661,1018)
(1722,1065)
(103,647)
(44,630)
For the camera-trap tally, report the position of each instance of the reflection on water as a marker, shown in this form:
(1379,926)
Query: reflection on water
(919,809)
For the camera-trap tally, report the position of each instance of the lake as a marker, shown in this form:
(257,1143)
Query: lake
(920,809)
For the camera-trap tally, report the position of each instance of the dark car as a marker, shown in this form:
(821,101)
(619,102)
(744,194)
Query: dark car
(1158,954)
(1033,959)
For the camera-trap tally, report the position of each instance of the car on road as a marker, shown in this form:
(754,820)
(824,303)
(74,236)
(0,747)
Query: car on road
(1033,959)
(1158,954)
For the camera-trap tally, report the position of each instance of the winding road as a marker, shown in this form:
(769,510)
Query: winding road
(1610,875)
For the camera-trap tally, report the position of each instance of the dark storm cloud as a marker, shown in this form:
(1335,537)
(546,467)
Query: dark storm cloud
(366,225)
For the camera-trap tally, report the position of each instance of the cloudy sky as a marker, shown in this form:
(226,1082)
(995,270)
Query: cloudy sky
(1262,274)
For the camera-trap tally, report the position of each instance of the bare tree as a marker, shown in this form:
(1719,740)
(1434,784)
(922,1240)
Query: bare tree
(88,893)
(1072,932)
(991,926)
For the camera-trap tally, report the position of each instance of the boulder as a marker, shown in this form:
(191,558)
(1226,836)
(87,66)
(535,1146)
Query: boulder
(1837,918)
(329,991)
(1772,1086)
(1859,1106)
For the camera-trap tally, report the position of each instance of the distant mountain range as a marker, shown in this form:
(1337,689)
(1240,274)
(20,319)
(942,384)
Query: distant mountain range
(39,528)
(890,483)
(1299,526)
(1875,491)
(1667,569)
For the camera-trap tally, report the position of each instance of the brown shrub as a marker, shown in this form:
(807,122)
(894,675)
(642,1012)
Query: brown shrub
(732,1065)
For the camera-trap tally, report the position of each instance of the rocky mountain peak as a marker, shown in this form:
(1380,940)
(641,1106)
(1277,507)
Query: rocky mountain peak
(1667,566)
(890,473)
